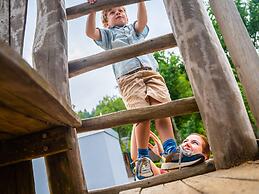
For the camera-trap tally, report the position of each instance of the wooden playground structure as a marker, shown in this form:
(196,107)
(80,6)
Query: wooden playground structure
(36,118)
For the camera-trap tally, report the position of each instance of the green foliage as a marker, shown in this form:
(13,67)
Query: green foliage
(171,67)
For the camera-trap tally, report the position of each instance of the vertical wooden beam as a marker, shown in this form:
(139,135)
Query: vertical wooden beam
(12,23)
(50,59)
(16,178)
(4,21)
(50,45)
(241,49)
(17,23)
(215,89)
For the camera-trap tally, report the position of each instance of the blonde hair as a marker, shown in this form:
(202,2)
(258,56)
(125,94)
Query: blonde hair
(104,16)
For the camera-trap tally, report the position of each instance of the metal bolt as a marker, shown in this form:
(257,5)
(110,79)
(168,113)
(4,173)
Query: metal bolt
(45,148)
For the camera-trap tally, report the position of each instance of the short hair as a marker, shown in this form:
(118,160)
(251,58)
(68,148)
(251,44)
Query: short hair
(105,18)
(205,146)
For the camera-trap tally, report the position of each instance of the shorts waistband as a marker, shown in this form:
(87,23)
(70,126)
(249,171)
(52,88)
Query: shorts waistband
(138,69)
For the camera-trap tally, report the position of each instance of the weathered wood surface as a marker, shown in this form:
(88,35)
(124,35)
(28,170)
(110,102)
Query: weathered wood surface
(17,179)
(79,66)
(178,187)
(241,179)
(28,103)
(173,108)
(86,8)
(12,23)
(215,89)
(35,145)
(50,45)
(242,52)
(4,21)
(65,174)
(17,24)
(175,175)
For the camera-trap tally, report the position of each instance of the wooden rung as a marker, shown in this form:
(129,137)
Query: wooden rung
(175,175)
(35,145)
(173,108)
(79,66)
(35,104)
(85,8)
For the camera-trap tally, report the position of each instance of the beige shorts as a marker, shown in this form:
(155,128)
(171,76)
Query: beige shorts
(136,88)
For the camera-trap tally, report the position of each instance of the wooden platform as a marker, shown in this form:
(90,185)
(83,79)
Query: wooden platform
(241,179)
(28,103)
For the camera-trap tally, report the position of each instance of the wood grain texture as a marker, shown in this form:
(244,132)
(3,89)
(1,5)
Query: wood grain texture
(17,179)
(17,24)
(242,52)
(4,21)
(24,92)
(175,175)
(214,86)
(65,174)
(50,45)
(79,66)
(173,108)
(175,187)
(86,8)
(35,145)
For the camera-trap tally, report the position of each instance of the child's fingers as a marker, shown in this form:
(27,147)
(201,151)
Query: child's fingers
(150,146)
(91,1)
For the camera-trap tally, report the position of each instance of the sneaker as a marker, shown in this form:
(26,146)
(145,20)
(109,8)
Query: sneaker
(181,159)
(143,169)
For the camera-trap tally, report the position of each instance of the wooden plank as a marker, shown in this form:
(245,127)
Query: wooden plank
(17,179)
(23,90)
(67,169)
(79,66)
(173,108)
(4,21)
(51,43)
(131,191)
(15,123)
(215,89)
(248,171)
(212,185)
(86,8)
(243,53)
(35,145)
(175,187)
(175,175)
(18,14)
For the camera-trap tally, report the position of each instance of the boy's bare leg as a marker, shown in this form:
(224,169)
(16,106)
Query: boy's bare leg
(163,126)
(142,131)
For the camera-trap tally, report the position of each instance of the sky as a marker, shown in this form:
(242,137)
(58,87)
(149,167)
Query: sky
(86,90)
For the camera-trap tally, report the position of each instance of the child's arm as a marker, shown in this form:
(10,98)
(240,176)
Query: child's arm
(142,17)
(91,30)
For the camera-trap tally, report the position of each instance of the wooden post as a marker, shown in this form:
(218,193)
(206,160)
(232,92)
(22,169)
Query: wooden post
(16,178)
(241,49)
(50,59)
(215,89)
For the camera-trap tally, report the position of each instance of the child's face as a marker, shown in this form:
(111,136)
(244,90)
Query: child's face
(117,17)
(193,143)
